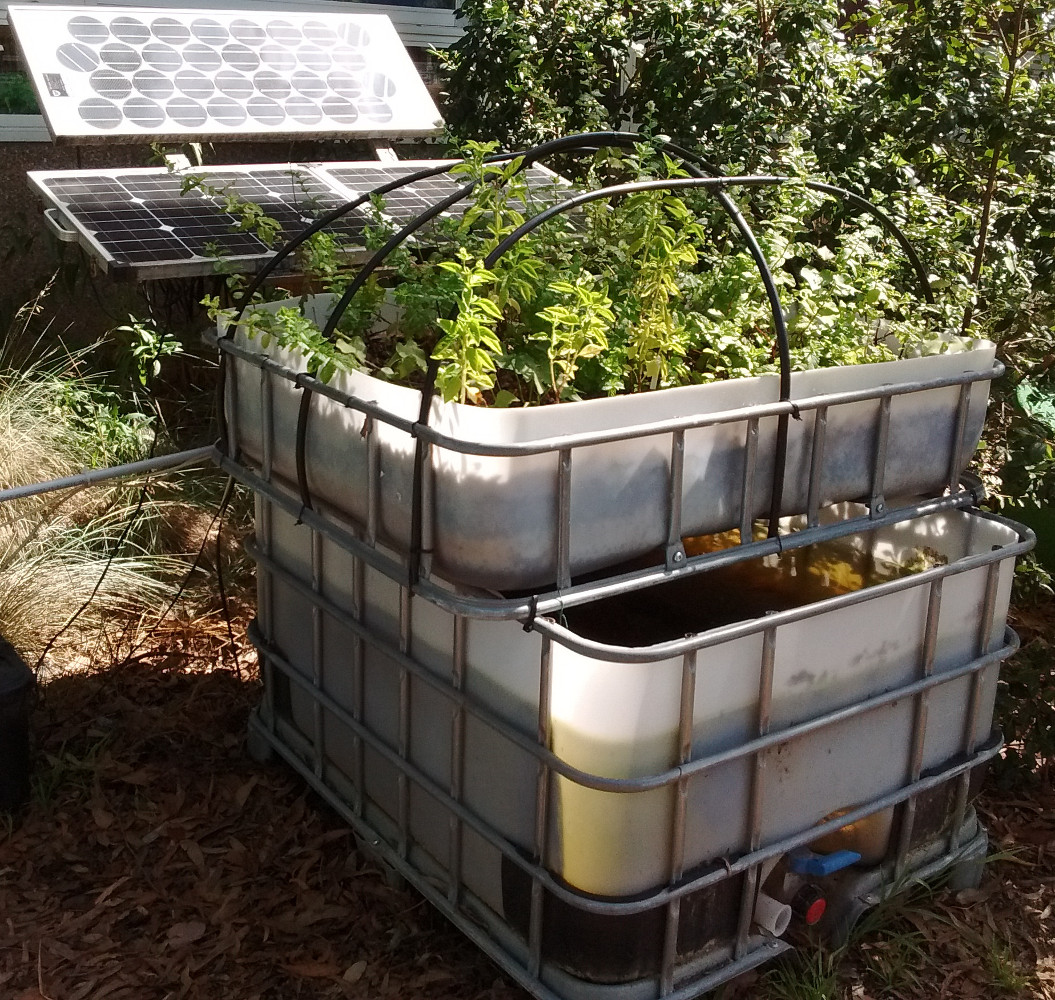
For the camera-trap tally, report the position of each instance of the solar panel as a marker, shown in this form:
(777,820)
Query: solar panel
(175,75)
(151,222)
(404,204)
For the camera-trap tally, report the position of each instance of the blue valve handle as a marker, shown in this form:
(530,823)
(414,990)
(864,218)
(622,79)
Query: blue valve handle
(805,862)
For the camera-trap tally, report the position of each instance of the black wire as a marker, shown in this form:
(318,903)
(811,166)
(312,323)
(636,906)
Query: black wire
(181,589)
(102,576)
(220,586)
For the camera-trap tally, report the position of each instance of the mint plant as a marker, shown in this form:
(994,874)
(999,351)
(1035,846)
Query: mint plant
(650,290)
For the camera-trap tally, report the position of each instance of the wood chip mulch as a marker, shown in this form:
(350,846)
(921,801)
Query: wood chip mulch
(156,860)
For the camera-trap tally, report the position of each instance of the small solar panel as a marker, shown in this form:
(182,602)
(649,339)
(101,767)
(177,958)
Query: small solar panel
(156,74)
(152,222)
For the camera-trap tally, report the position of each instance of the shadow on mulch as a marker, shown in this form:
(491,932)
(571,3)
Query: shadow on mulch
(156,860)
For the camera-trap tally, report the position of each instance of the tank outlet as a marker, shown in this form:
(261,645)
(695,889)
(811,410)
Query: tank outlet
(809,904)
(771,914)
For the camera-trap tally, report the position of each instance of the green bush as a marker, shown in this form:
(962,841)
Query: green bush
(16,95)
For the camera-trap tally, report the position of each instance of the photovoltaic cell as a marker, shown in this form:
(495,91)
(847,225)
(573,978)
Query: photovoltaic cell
(405,203)
(155,220)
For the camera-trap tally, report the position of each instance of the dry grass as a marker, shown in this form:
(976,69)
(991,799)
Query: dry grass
(79,569)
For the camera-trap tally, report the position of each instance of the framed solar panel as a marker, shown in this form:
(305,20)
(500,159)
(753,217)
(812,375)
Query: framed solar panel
(150,222)
(404,203)
(151,74)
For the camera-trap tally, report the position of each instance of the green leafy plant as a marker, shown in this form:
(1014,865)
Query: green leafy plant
(469,339)
(143,347)
(640,293)
(575,329)
(16,95)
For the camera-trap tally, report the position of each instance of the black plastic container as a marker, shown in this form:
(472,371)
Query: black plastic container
(17,684)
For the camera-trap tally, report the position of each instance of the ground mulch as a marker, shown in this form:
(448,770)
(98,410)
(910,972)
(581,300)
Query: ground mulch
(157,861)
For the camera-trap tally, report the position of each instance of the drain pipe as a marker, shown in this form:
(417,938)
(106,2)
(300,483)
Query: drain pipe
(771,914)
(177,460)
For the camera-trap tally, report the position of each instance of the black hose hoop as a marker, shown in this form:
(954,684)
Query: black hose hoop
(590,141)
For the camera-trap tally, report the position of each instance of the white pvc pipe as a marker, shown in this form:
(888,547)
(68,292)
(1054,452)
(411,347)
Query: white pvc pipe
(772,915)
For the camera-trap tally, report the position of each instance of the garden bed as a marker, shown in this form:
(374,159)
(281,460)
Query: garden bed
(505,489)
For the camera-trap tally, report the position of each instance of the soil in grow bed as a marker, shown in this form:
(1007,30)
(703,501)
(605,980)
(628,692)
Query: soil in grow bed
(738,592)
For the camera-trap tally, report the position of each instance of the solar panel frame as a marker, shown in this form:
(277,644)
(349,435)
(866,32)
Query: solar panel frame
(403,204)
(139,73)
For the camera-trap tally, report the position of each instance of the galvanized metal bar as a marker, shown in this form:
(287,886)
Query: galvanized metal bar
(919,722)
(686,720)
(647,429)
(403,736)
(747,486)
(90,477)
(346,538)
(358,679)
(564,518)
(428,508)
(267,425)
(317,652)
(675,554)
(373,479)
(457,764)
(813,496)
(542,792)
(983,641)
(756,802)
(266,598)
(716,636)
(877,501)
(660,897)
(693,767)
(957,459)
(496,608)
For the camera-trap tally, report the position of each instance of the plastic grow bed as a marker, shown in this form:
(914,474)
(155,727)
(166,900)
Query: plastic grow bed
(519,499)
